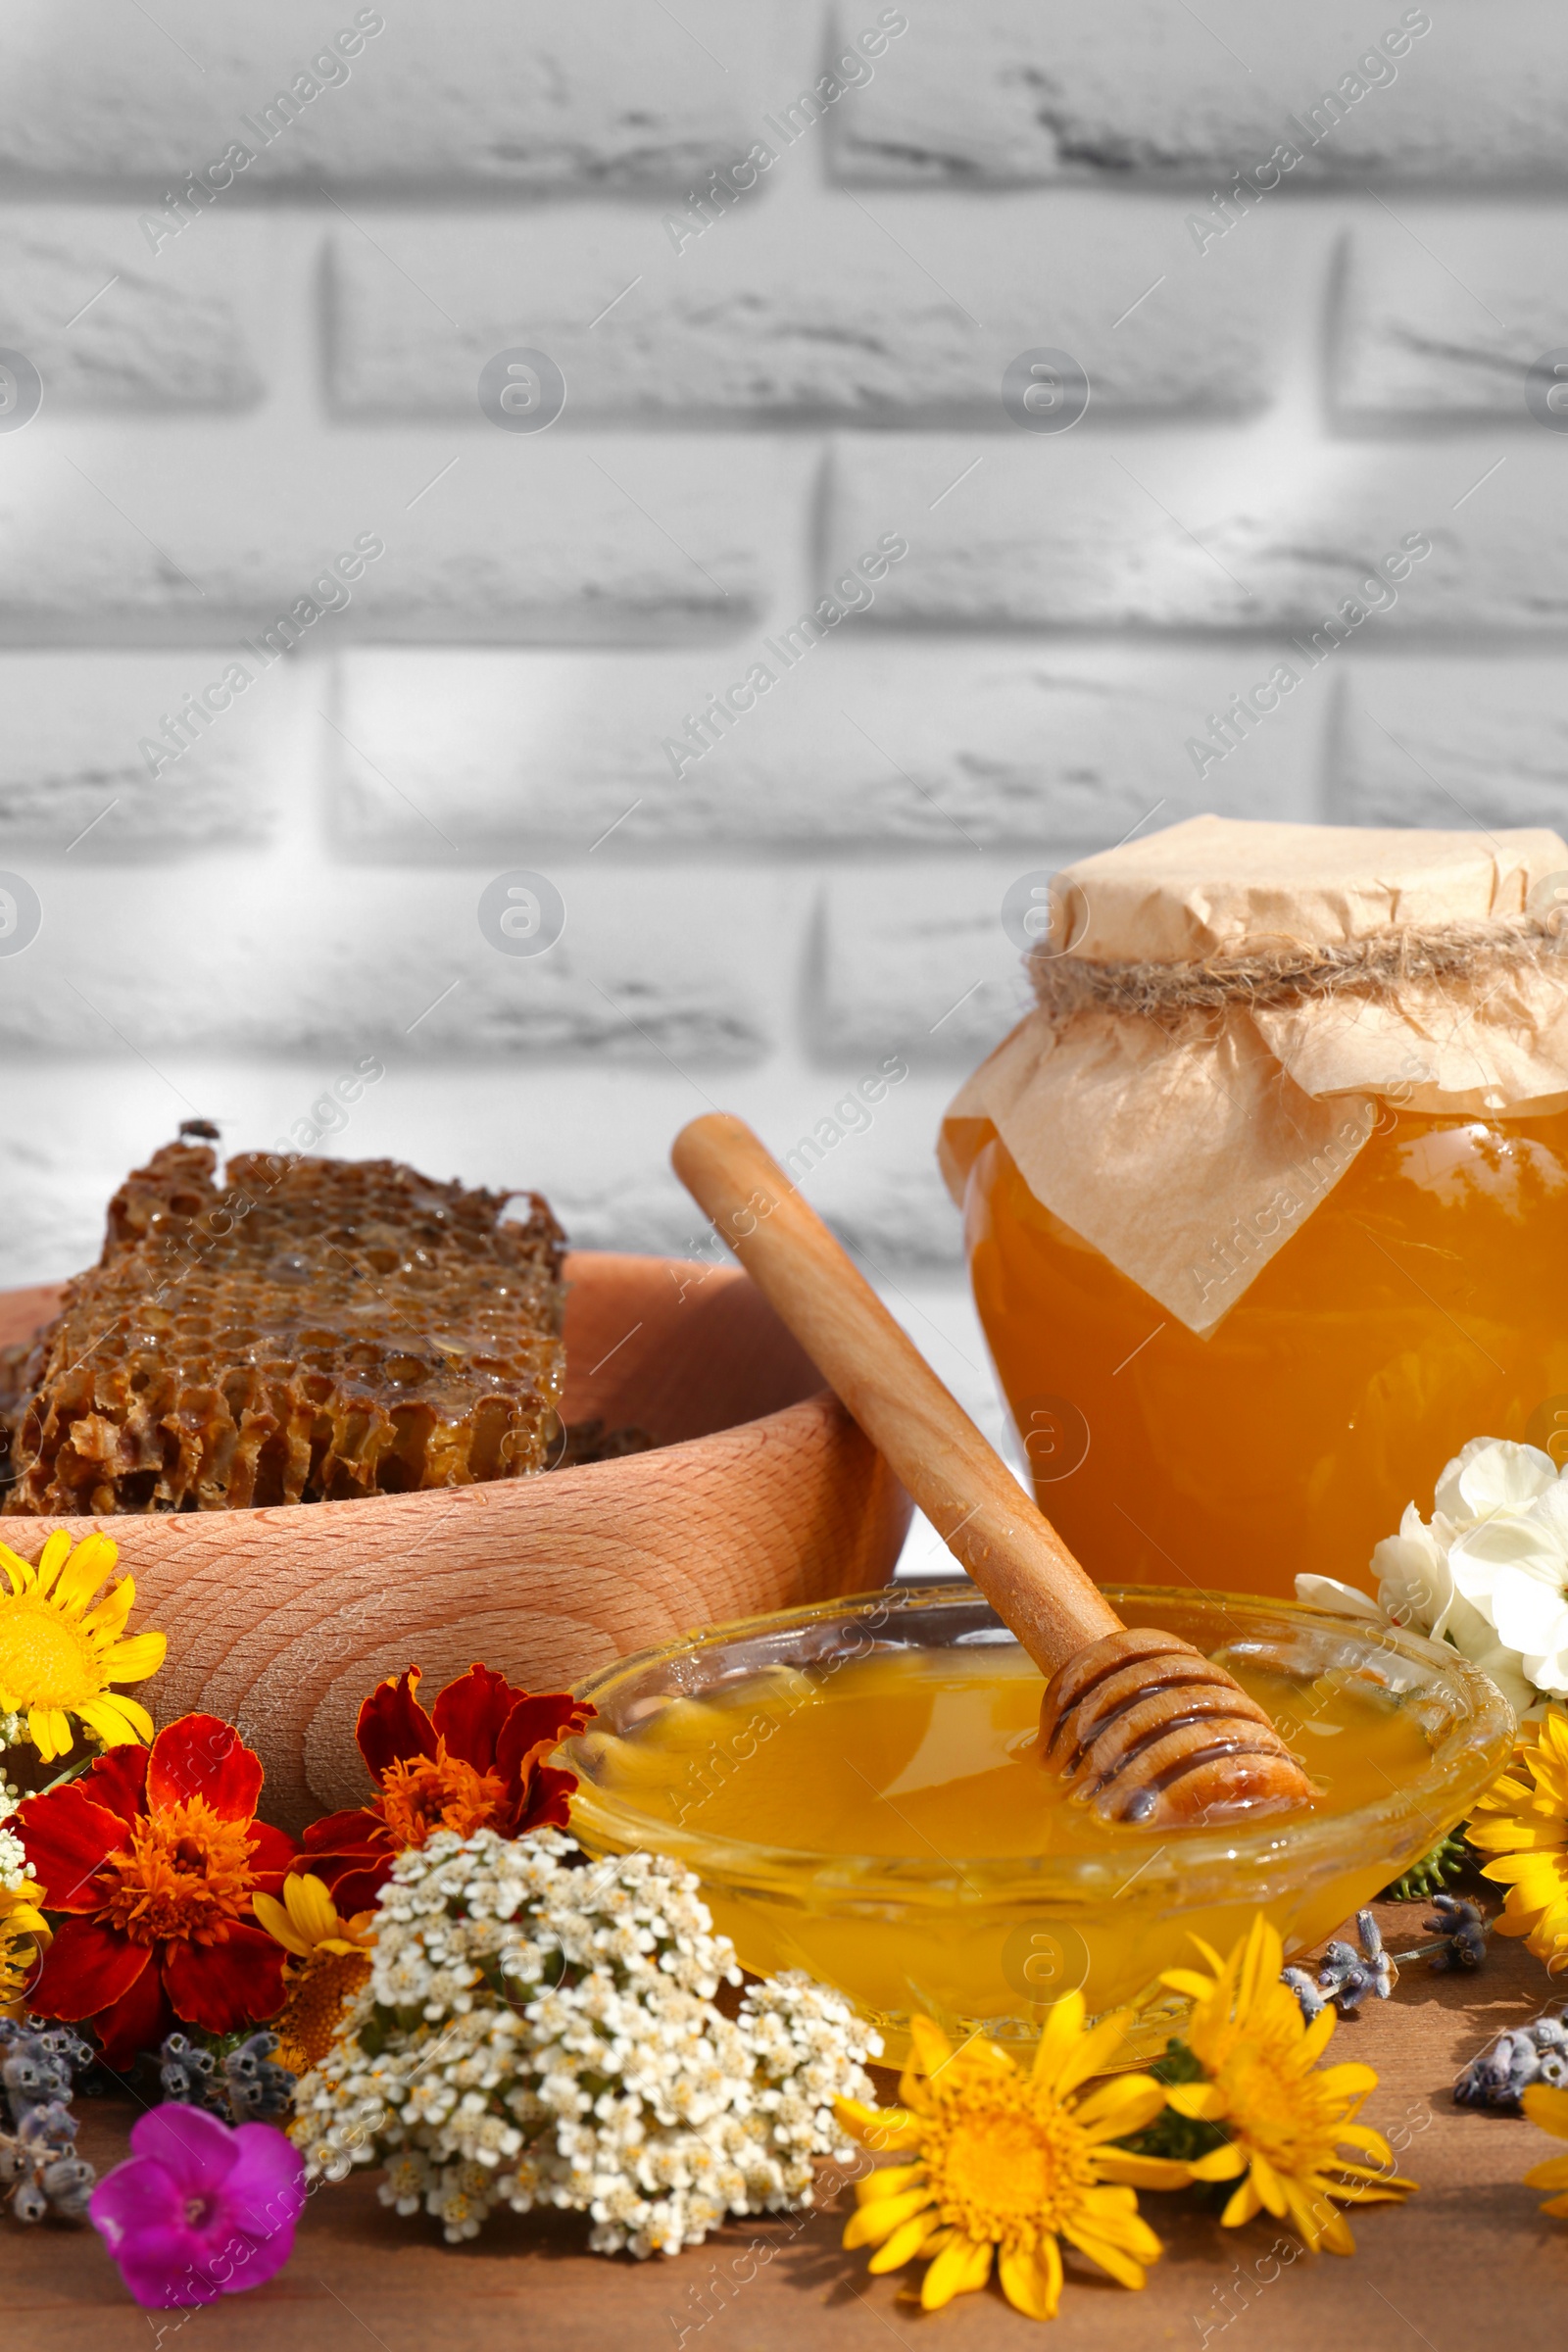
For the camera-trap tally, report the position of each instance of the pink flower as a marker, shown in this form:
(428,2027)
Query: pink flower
(199,2211)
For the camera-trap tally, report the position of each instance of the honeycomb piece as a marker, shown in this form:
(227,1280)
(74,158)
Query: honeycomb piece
(321,1330)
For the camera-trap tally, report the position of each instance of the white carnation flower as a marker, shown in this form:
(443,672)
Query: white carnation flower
(537,2032)
(1489,1573)
(1513,1573)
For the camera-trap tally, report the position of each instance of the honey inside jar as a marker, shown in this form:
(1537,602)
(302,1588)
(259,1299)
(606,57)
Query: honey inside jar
(896,1827)
(1417,1306)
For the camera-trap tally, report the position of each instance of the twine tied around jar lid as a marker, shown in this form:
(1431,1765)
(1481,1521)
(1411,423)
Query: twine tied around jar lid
(1382,963)
(1226,1018)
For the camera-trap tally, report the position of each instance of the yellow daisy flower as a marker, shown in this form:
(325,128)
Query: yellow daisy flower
(1287,2118)
(1523,1819)
(60,1645)
(24,1933)
(1006,2164)
(331,1957)
(1549,2109)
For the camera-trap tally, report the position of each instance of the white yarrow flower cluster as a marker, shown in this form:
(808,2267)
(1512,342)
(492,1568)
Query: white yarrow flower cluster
(13,1859)
(539,2034)
(1489,1573)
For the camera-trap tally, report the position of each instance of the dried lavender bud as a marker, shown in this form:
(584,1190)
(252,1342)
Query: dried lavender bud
(1379,1963)
(187,2074)
(59,2043)
(68,2184)
(1307,1992)
(32,2075)
(1347,1977)
(1466,1944)
(1499,2077)
(257,2090)
(29,2200)
(40,2160)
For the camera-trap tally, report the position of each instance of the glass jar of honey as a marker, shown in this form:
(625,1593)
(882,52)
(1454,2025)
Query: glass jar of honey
(1423,1303)
(1221,1374)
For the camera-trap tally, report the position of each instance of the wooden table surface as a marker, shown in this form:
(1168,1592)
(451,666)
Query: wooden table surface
(1469,2263)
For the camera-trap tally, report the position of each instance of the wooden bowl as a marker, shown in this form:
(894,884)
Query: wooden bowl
(761,1493)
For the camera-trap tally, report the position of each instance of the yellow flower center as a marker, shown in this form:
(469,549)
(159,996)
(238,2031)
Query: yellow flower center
(187,1874)
(317,1997)
(421,1794)
(46,1660)
(1001,2166)
(1274,2107)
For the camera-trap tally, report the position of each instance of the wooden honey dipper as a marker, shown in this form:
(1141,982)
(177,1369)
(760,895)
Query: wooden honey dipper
(1142,1727)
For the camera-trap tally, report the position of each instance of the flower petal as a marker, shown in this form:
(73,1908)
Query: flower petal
(879,2127)
(1187,1981)
(137,2021)
(82,1574)
(1143,2172)
(906,2243)
(265,2190)
(1528,1606)
(1094,2052)
(1032,2282)
(137,2196)
(200,1755)
(135,1658)
(932,2049)
(1354,2079)
(888,2180)
(1547,2107)
(393,1726)
(1496,1474)
(1339,1600)
(192,2147)
(1119,2107)
(221,1987)
(52,1559)
(118,1782)
(50,1732)
(1203,2102)
(66,1837)
(470,1713)
(87,1967)
(1267,2183)
(1244,2202)
(1058,2037)
(960,2269)
(116,1721)
(274,1854)
(539,1722)
(108,1619)
(873,2224)
(275,1920)
(309,1907)
(1112,2258)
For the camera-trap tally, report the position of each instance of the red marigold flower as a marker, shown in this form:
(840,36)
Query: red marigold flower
(154,1855)
(475,1762)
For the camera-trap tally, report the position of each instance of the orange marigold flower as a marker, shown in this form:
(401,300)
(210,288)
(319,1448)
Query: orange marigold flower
(154,1855)
(475,1762)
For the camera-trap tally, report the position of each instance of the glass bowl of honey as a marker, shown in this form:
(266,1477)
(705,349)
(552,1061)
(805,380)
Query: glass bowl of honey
(856,1787)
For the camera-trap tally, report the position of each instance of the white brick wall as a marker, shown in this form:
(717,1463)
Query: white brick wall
(1293,370)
